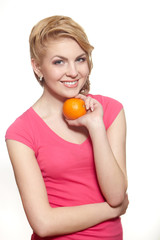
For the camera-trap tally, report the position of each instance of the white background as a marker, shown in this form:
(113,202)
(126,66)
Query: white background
(126,37)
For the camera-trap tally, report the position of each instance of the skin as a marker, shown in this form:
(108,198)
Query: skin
(66,61)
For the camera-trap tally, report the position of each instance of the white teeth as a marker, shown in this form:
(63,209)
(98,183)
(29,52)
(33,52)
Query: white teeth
(70,83)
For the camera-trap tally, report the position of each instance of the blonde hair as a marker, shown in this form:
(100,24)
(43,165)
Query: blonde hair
(53,28)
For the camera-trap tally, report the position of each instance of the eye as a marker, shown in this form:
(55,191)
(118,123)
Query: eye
(81,59)
(58,62)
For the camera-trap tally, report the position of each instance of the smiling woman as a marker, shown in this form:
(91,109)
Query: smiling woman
(63,66)
(71,174)
(56,28)
(64,61)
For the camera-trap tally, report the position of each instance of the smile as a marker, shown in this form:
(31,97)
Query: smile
(70,84)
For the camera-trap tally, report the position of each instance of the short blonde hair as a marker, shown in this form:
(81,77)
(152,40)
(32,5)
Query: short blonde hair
(53,28)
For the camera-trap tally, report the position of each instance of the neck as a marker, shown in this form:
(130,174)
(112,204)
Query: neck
(49,104)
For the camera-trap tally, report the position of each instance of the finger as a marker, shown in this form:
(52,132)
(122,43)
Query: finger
(90,104)
(81,96)
(89,101)
(85,99)
(74,122)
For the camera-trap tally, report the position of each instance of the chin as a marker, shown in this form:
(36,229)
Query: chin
(72,94)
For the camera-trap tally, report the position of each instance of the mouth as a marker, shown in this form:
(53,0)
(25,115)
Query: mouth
(70,84)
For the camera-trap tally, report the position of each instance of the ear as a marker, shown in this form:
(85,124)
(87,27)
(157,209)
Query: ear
(36,67)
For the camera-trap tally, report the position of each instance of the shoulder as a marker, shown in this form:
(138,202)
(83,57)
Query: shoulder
(106,101)
(19,121)
(21,129)
(111,108)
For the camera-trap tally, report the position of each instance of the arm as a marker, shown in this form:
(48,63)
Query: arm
(44,220)
(109,150)
(109,153)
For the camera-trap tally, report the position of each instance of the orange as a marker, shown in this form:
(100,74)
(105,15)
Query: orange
(74,108)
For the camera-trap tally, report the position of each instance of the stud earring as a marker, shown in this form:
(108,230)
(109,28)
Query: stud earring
(41,78)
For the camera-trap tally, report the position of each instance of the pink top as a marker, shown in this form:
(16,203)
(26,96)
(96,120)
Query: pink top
(68,169)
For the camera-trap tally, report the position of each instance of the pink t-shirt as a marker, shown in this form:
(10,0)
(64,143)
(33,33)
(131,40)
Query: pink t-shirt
(68,169)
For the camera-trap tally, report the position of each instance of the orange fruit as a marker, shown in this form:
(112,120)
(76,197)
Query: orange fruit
(74,108)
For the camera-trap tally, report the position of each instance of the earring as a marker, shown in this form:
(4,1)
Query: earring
(41,78)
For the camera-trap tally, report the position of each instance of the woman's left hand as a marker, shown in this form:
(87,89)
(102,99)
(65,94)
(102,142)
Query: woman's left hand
(93,116)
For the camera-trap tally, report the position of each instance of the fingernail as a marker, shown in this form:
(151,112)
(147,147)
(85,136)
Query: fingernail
(87,107)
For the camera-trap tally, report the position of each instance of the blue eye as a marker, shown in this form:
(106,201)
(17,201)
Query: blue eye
(82,59)
(57,62)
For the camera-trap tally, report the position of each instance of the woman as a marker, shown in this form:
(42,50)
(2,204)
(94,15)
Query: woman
(71,174)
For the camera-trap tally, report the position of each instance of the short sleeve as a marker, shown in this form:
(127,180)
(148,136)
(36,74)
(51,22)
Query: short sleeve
(111,109)
(21,132)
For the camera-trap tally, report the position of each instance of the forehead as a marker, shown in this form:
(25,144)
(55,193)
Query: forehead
(64,47)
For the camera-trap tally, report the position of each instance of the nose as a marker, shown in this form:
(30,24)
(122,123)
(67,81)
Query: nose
(71,70)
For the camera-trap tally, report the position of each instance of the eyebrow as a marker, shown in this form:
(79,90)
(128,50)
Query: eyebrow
(62,57)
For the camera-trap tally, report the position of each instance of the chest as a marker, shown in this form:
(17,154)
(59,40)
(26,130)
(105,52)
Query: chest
(67,132)
(59,159)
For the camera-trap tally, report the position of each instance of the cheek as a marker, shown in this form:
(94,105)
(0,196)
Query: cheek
(85,70)
(87,73)
(53,74)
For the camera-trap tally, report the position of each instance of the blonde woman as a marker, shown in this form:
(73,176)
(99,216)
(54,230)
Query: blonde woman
(71,174)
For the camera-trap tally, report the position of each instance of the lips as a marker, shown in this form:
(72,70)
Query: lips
(70,84)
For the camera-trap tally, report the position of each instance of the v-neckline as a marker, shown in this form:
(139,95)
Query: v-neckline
(55,134)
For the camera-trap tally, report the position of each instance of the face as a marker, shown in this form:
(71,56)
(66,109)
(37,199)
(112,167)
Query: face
(64,68)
